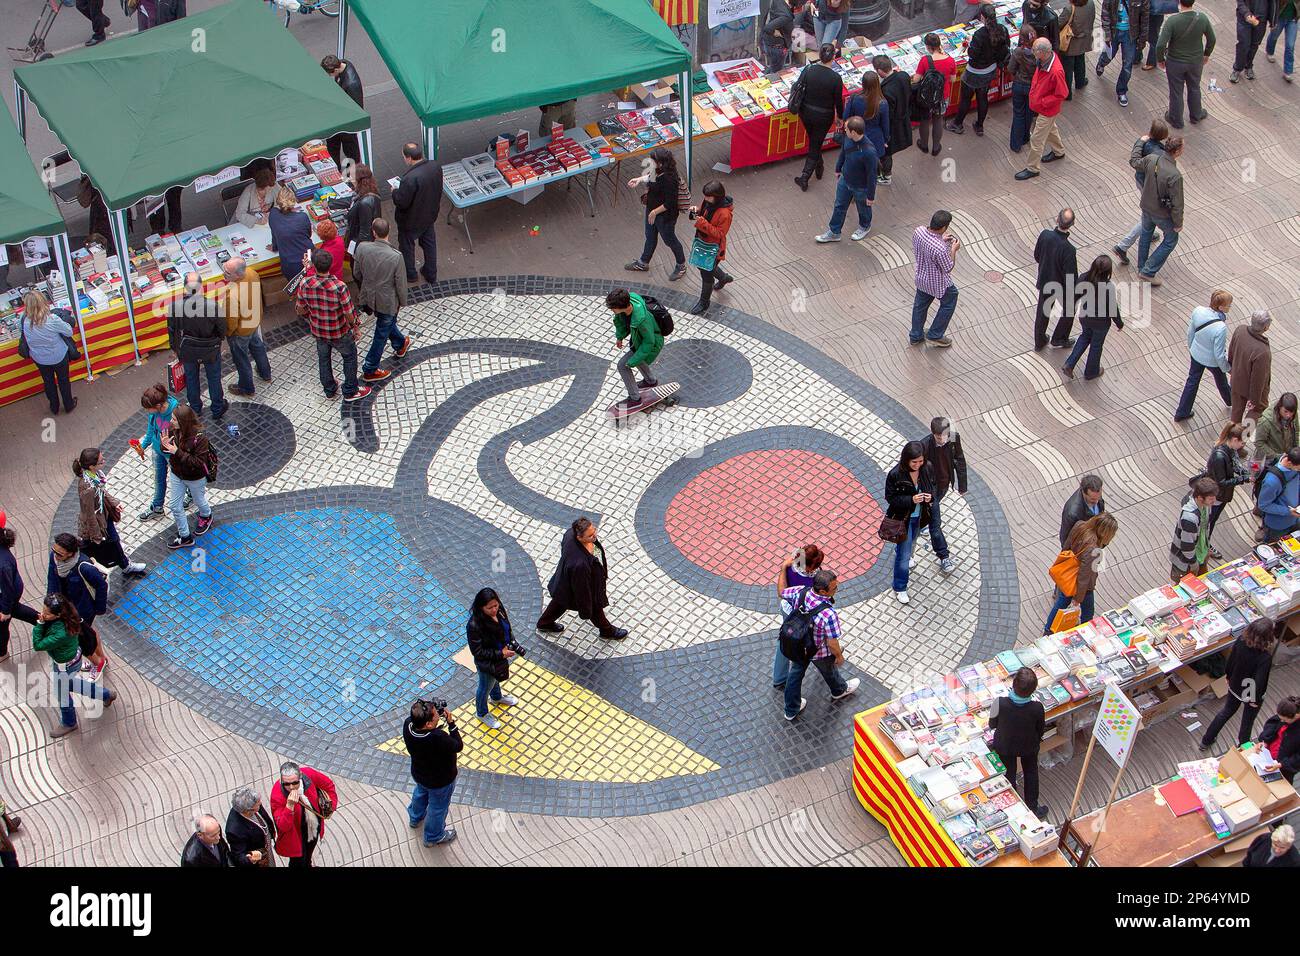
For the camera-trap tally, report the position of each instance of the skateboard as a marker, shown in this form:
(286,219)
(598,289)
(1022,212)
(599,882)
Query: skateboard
(665,395)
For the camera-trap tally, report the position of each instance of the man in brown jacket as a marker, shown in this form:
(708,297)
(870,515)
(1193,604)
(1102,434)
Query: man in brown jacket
(1251,358)
(244,325)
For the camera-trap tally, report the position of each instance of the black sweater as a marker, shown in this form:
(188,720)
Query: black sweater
(1017,728)
(1245,663)
(663,191)
(433,754)
(899,491)
(985,51)
(1288,754)
(825,89)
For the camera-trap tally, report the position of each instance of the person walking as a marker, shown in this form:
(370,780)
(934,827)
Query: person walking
(206,847)
(986,52)
(855,181)
(1275,431)
(580,583)
(634,324)
(291,233)
(1124,24)
(1250,354)
(365,208)
(1096,303)
(325,302)
(1077,40)
(415,202)
(1207,344)
(196,328)
(947,463)
(1249,663)
(1018,722)
(1058,272)
(345,75)
(1161,203)
(823,104)
(662,202)
(159,405)
(492,644)
(831,21)
(897,91)
(73,575)
(1226,467)
(909,491)
(876,113)
(1047,92)
(931,82)
(712,220)
(243,308)
(48,336)
(93,10)
(57,632)
(433,753)
(1153,142)
(1155,22)
(99,513)
(817,604)
(1039,15)
(1254,17)
(11,587)
(1182,50)
(1086,542)
(935,252)
(1279,496)
(1085,503)
(1023,68)
(192,461)
(1284,25)
(301,801)
(1190,551)
(381,273)
(250,831)
(797,572)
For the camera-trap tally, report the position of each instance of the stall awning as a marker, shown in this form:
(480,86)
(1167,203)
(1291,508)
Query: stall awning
(160,108)
(462,59)
(26,209)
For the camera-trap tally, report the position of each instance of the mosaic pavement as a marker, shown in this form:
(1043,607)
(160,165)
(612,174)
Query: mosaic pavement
(351,539)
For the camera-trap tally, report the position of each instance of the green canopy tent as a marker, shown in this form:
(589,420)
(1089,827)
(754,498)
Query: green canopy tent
(157,109)
(27,212)
(459,60)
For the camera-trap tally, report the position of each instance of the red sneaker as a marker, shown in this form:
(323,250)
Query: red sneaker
(362,392)
(378,375)
(406,347)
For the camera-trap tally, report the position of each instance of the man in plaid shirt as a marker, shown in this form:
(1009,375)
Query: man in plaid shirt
(820,600)
(324,301)
(936,255)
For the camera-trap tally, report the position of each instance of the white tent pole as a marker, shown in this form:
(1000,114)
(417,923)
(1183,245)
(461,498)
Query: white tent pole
(343,28)
(430,141)
(685,86)
(64,252)
(118,221)
(367,149)
(20,105)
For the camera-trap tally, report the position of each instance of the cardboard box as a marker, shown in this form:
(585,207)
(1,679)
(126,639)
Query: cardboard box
(1265,795)
(1173,696)
(1242,815)
(1226,858)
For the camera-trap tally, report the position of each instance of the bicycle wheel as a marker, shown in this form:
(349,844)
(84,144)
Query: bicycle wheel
(328,7)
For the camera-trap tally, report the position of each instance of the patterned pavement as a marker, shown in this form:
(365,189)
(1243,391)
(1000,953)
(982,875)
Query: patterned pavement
(803,361)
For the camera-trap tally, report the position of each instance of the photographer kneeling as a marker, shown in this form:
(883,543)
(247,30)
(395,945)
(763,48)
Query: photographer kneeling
(433,767)
(487,632)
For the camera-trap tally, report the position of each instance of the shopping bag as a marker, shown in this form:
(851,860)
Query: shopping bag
(704,255)
(176,377)
(1064,572)
(1065,619)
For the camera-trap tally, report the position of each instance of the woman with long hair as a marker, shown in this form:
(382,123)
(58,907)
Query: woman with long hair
(1249,663)
(190,456)
(366,206)
(1087,541)
(1096,306)
(712,223)
(56,633)
(662,200)
(1275,432)
(99,513)
(1225,465)
(909,490)
(491,641)
(48,333)
(987,51)
(1022,67)
(872,106)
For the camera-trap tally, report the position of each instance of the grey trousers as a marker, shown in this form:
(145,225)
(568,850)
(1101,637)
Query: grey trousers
(1182,75)
(629,380)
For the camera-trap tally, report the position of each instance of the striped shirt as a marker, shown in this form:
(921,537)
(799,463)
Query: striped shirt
(825,621)
(933,262)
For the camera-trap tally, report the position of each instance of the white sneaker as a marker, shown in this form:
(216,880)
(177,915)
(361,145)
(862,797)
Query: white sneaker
(902,597)
(135,567)
(860,234)
(490,722)
(911,562)
(946,565)
(803,702)
(507,700)
(850,688)
(829,237)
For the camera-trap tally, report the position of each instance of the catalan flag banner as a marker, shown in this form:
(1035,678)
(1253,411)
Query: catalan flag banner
(676,12)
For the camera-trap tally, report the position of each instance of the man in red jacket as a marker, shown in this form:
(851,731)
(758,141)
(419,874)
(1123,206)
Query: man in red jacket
(1046,94)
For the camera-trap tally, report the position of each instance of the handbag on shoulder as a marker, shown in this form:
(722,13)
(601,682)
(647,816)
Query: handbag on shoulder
(893,530)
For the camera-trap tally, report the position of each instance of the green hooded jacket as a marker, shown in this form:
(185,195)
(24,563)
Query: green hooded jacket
(647,343)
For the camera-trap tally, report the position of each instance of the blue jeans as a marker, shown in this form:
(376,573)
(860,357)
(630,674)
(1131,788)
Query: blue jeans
(774,56)
(241,348)
(1150,266)
(665,227)
(386,332)
(921,307)
(903,555)
(780,667)
(1153,33)
(1288,50)
(1022,117)
(431,804)
(826,31)
(1193,384)
(1090,339)
(346,347)
(67,683)
(194,391)
(1128,53)
(937,538)
(487,684)
(1062,602)
(844,194)
(159,481)
(199,490)
(794,683)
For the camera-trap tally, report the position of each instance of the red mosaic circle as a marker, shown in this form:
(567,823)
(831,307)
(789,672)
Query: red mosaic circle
(739,518)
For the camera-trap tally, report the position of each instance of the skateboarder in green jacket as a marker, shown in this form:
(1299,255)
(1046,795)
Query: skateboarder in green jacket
(632,319)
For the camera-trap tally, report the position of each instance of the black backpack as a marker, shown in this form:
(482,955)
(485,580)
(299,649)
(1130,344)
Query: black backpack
(663,318)
(796,635)
(928,95)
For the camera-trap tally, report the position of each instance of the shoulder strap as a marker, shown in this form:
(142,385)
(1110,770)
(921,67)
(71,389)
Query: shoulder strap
(1205,325)
(82,574)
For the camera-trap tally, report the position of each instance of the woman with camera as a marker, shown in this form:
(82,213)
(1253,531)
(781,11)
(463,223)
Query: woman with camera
(489,637)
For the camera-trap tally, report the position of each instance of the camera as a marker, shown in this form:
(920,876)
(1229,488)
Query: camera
(514,646)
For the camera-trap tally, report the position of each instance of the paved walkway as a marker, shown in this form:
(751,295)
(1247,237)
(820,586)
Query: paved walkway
(347,543)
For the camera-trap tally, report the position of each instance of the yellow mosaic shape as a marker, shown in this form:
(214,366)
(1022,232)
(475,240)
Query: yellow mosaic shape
(562,731)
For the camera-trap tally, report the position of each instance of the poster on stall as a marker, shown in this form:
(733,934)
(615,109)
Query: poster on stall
(1118,721)
(724,11)
(36,252)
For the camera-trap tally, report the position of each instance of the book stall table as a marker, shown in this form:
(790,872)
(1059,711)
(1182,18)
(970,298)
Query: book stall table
(922,764)
(522,172)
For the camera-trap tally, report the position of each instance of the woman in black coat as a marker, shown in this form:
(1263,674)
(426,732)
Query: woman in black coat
(1096,306)
(909,489)
(823,104)
(897,91)
(1249,663)
(487,632)
(662,201)
(250,831)
(1226,467)
(579,583)
(1017,722)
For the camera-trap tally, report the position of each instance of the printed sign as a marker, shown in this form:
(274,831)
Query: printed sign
(1117,724)
(204,183)
(724,11)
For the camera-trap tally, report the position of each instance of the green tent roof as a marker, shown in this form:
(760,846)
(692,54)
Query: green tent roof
(461,59)
(26,209)
(160,108)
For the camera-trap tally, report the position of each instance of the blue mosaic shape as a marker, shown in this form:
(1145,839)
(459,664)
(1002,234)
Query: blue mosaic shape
(322,615)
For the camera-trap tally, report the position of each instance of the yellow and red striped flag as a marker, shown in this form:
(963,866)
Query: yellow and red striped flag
(675,12)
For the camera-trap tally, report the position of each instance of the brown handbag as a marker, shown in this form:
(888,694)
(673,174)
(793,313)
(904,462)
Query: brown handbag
(893,530)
